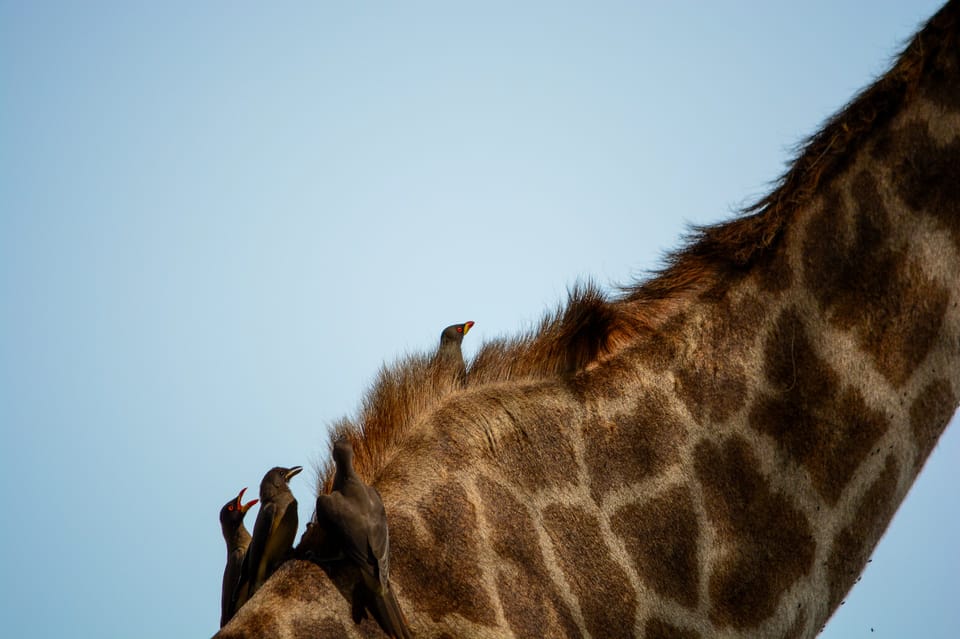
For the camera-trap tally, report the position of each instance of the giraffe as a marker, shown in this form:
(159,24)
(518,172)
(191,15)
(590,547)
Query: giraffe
(712,453)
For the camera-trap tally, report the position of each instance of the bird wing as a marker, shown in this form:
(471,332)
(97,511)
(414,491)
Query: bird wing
(385,607)
(357,514)
(253,563)
(378,536)
(231,578)
(338,513)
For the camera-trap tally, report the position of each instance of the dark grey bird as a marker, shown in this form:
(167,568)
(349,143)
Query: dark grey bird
(449,356)
(354,516)
(274,530)
(238,539)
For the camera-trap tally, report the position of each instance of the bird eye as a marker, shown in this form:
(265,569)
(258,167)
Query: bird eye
(230,507)
(459,329)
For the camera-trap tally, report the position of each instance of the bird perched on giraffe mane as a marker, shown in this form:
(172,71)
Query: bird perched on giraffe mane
(449,356)
(238,539)
(354,516)
(273,532)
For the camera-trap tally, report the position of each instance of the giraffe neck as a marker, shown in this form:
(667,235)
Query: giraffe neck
(728,470)
(731,473)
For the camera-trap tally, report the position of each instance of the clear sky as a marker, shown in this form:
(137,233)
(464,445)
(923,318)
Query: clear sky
(217,219)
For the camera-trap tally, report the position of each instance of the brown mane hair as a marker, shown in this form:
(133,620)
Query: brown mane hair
(591,327)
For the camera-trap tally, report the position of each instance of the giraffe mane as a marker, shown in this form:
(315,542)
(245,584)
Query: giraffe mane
(591,326)
(732,247)
(586,329)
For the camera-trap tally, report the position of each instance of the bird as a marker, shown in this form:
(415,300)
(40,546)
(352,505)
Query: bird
(354,516)
(238,539)
(449,356)
(274,530)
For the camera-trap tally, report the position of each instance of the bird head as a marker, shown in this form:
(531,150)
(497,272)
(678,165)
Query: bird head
(234,510)
(342,452)
(454,333)
(276,480)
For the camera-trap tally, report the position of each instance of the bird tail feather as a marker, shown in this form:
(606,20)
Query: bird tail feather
(386,610)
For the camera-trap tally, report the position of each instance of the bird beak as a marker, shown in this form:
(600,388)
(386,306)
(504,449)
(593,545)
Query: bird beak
(244,507)
(467,327)
(293,471)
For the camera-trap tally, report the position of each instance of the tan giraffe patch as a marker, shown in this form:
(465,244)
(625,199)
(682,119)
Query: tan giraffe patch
(260,623)
(927,175)
(710,383)
(824,426)
(440,572)
(799,624)
(657,628)
(661,536)
(864,285)
(632,446)
(606,598)
(854,543)
(765,542)
(929,414)
(289,584)
(530,603)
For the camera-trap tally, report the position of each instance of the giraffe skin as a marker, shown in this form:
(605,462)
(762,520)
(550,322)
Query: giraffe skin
(725,466)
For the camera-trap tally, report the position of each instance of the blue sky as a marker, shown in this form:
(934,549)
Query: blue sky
(218,219)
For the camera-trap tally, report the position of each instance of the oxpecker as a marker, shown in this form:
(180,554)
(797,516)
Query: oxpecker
(274,530)
(353,514)
(449,356)
(238,539)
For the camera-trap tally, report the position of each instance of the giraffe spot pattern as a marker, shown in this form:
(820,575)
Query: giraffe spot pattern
(657,628)
(609,381)
(711,389)
(822,425)
(711,383)
(661,537)
(927,175)
(940,82)
(659,350)
(865,286)
(929,414)
(632,446)
(539,457)
(530,603)
(853,544)
(261,623)
(775,274)
(327,627)
(439,573)
(764,542)
(285,585)
(294,581)
(606,598)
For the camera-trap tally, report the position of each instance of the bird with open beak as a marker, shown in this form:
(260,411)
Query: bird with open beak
(238,540)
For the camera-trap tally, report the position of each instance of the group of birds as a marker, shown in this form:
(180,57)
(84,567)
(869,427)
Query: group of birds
(351,515)
(250,560)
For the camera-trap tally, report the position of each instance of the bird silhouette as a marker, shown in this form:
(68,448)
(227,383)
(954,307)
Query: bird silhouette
(449,356)
(273,532)
(238,539)
(354,516)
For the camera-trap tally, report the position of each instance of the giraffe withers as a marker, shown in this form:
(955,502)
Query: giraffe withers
(727,469)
